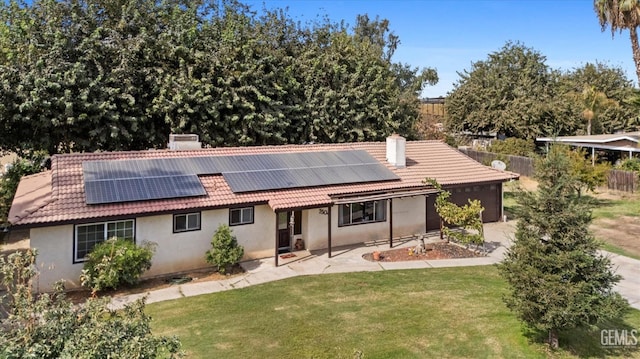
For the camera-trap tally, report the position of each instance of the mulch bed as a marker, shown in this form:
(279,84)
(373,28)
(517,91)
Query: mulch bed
(438,250)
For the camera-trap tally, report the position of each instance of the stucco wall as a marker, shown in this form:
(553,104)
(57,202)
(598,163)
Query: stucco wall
(178,252)
(55,257)
(408,218)
(175,252)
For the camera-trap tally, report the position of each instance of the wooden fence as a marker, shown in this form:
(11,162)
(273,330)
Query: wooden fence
(517,164)
(622,181)
(616,179)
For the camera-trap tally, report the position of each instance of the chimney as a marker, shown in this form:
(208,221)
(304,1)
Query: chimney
(184,142)
(396,146)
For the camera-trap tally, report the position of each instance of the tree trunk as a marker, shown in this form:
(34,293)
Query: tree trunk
(553,339)
(635,49)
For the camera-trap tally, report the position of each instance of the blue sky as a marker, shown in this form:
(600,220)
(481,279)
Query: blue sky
(450,35)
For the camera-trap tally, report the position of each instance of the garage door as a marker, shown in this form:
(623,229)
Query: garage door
(488,194)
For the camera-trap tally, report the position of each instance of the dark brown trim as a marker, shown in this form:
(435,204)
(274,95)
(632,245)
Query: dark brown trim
(186,214)
(73,236)
(136,215)
(329,231)
(426,213)
(277,242)
(253,215)
(391,223)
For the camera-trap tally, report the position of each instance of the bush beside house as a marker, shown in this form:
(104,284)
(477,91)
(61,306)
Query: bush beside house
(116,262)
(225,251)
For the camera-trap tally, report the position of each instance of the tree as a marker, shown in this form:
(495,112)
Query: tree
(122,75)
(513,92)
(619,15)
(557,278)
(29,164)
(600,93)
(593,103)
(225,250)
(587,173)
(467,217)
(50,326)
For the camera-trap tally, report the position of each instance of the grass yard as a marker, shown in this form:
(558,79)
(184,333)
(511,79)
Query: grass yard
(616,217)
(629,205)
(425,313)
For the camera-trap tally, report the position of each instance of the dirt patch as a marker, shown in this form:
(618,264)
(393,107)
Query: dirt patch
(438,250)
(621,232)
(147,285)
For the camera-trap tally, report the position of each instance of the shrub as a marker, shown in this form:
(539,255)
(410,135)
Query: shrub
(50,326)
(512,146)
(630,164)
(115,262)
(225,251)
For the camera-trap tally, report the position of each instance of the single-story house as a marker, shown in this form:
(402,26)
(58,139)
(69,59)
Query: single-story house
(273,197)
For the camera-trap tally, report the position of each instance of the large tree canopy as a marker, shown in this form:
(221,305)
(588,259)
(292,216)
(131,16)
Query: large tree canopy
(511,92)
(603,93)
(515,93)
(88,75)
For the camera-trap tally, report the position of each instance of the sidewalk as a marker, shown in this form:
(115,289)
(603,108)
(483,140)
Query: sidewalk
(349,259)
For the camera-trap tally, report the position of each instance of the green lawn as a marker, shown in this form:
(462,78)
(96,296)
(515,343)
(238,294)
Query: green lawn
(425,313)
(604,208)
(628,205)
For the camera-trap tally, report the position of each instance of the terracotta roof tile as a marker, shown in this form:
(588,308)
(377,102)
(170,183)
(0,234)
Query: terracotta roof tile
(57,196)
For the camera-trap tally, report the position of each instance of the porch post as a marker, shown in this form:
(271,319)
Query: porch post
(276,239)
(390,222)
(329,229)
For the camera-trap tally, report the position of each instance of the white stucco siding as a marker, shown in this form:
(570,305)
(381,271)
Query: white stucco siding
(55,257)
(175,252)
(183,251)
(408,218)
(258,238)
(314,228)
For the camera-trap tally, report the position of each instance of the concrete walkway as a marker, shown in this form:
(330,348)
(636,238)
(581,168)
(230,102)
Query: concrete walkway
(349,259)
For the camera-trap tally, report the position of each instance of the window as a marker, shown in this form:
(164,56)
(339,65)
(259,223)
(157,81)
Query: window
(239,216)
(88,235)
(186,222)
(362,212)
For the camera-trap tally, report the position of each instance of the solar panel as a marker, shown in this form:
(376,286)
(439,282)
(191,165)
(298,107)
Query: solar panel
(142,189)
(160,178)
(251,181)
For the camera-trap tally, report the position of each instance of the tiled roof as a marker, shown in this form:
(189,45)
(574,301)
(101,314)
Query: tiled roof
(57,196)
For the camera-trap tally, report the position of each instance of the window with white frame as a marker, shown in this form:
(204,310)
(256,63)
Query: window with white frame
(88,235)
(186,222)
(239,216)
(362,212)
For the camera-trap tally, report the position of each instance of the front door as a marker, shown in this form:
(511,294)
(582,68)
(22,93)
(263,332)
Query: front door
(284,234)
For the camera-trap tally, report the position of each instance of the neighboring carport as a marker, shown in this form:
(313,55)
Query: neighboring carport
(625,143)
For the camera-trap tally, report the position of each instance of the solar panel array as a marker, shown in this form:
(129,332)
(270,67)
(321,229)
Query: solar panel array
(159,178)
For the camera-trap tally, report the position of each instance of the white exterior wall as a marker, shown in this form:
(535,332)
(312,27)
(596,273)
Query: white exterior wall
(175,252)
(178,252)
(408,218)
(55,257)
